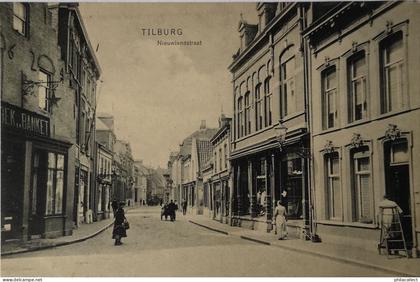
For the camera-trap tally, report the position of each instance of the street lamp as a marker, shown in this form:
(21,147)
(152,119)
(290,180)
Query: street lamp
(281,131)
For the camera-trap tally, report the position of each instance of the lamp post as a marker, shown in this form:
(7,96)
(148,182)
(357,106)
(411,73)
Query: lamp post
(281,131)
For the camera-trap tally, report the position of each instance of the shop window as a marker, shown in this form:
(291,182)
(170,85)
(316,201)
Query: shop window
(357,100)
(292,179)
(55,184)
(333,192)
(392,73)
(329,98)
(362,193)
(261,187)
(287,86)
(268,96)
(101,187)
(44,90)
(21,18)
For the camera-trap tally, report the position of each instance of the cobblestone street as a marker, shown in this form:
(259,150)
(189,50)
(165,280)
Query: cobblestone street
(164,248)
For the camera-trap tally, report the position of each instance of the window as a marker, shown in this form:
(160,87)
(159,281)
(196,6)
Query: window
(334,209)
(268,102)
(220,159)
(240,118)
(21,18)
(287,87)
(258,108)
(392,82)
(357,101)
(362,190)
(55,184)
(247,114)
(329,96)
(43,90)
(215,161)
(225,151)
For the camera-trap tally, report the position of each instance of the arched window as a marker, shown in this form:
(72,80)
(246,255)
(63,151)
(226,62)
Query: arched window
(240,118)
(247,113)
(268,102)
(287,84)
(258,107)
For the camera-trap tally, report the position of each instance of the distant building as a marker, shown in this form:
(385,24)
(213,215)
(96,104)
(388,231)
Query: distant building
(221,185)
(141,173)
(123,180)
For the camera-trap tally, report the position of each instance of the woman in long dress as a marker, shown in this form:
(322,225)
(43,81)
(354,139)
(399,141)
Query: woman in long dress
(280,220)
(119,230)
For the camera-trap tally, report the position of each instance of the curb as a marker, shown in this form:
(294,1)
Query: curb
(331,257)
(59,244)
(208,227)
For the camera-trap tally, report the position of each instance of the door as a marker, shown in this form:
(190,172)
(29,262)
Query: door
(12,174)
(37,192)
(397,174)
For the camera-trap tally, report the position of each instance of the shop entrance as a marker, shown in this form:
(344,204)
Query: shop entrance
(37,192)
(12,175)
(398,182)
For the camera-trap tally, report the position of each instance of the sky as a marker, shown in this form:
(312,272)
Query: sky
(158,95)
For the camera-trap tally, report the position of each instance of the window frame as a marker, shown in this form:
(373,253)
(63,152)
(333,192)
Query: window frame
(47,86)
(351,81)
(258,107)
(25,21)
(387,107)
(55,171)
(268,102)
(329,178)
(327,92)
(287,78)
(247,115)
(356,154)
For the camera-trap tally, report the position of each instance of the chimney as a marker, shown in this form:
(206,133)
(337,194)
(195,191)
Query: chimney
(203,124)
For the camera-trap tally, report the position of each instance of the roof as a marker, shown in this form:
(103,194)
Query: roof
(204,134)
(75,8)
(204,151)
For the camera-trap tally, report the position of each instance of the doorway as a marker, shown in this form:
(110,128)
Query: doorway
(12,175)
(397,174)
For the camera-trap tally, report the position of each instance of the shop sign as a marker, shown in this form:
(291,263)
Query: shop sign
(25,121)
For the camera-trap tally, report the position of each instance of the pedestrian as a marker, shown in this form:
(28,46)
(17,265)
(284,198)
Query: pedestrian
(184,207)
(119,230)
(280,221)
(114,205)
(171,210)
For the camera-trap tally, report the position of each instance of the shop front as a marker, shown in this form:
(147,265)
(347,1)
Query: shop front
(262,179)
(34,177)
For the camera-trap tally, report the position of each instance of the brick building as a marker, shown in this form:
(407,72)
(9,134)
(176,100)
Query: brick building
(38,126)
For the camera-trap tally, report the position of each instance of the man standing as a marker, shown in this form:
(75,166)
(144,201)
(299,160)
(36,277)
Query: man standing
(184,207)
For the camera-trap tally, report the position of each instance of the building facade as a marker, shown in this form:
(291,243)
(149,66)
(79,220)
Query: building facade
(269,130)
(38,126)
(104,176)
(141,174)
(83,71)
(221,185)
(364,103)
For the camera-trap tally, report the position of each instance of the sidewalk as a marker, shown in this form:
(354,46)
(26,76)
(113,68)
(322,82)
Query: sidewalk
(84,232)
(395,266)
